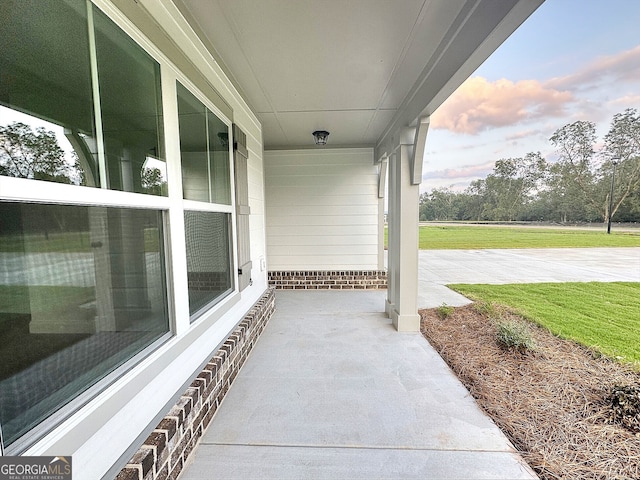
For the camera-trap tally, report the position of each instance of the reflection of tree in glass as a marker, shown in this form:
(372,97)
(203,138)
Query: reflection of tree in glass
(26,153)
(153,181)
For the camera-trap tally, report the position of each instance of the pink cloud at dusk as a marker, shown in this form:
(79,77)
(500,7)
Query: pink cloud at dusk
(620,67)
(524,134)
(480,105)
(626,100)
(465,171)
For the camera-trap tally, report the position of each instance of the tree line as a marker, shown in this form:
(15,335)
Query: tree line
(576,187)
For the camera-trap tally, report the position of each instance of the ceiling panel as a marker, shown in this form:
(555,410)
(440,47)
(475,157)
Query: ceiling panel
(345,127)
(348,49)
(271,130)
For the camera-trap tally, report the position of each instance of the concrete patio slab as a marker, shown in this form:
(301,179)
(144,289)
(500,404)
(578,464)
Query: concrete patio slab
(303,463)
(331,390)
(441,267)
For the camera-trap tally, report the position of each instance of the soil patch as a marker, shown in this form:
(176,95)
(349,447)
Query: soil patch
(552,402)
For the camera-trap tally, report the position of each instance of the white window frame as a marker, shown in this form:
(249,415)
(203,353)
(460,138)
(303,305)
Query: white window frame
(181,329)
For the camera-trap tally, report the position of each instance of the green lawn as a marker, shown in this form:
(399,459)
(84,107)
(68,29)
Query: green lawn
(605,316)
(64,242)
(24,299)
(479,237)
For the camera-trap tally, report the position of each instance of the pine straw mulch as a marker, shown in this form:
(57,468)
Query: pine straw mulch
(550,403)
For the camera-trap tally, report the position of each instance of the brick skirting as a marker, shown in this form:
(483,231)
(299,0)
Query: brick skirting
(165,452)
(329,280)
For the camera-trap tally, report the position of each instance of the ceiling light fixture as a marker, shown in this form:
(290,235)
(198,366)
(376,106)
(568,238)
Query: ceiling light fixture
(320,136)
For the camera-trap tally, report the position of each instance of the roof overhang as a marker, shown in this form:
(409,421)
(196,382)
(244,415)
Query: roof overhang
(361,69)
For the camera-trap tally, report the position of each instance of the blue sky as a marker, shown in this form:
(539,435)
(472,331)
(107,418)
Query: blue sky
(571,60)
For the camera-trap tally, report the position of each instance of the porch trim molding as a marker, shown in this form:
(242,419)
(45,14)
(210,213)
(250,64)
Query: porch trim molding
(167,449)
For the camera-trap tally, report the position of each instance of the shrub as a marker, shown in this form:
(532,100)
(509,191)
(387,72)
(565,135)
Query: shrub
(488,309)
(514,335)
(444,311)
(625,406)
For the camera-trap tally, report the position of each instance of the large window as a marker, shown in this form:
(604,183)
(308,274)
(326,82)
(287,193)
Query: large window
(79,100)
(82,287)
(83,280)
(206,178)
(82,290)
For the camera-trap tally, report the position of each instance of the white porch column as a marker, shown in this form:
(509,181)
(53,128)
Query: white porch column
(382,195)
(405,172)
(392,230)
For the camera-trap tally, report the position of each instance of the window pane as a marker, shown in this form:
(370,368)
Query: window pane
(46,107)
(194,152)
(209,261)
(131,105)
(204,150)
(82,290)
(219,160)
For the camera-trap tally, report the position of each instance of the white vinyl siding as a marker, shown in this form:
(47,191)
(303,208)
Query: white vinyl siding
(322,209)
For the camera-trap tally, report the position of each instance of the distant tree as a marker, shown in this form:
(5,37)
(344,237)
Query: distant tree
(622,144)
(581,169)
(577,162)
(477,200)
(576,188)
(26,153)
(153,181)
(439,204)
(513,184)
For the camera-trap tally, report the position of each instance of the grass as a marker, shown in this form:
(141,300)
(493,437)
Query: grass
(603,316)
(77,242)
(23,299)
(480,237)
(444,311)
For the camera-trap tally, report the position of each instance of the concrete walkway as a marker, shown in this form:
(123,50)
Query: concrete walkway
(332,391)
(441,267)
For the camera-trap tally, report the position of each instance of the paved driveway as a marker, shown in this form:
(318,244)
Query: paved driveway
(441,267)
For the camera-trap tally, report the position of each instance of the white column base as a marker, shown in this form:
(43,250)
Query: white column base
(406,323)
(389,308)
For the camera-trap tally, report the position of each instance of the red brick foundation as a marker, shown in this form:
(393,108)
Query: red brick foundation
(165,452)
(329,280)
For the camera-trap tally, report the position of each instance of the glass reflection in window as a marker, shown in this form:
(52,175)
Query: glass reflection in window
(82,290)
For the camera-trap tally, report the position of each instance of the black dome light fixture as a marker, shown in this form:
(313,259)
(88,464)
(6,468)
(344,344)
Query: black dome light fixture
(320,137)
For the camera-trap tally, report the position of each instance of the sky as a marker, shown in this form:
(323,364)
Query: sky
(571,60)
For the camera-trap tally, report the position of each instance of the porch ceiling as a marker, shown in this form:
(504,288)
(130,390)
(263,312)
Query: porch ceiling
(360,69)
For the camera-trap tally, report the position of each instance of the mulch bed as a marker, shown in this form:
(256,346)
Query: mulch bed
(550,402)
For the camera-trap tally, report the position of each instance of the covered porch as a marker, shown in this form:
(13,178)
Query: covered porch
(369,74)
(332,391)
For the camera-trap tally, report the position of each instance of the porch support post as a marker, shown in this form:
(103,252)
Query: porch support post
(402,300)
(382,188)
(392,238)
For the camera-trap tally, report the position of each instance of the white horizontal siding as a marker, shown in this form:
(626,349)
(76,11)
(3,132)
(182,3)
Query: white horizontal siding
(328,231)
(322,209)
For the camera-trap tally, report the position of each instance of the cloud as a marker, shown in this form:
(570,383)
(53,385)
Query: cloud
(465,171)
(620,67)
(626,101)
(480,105)
(524,134)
